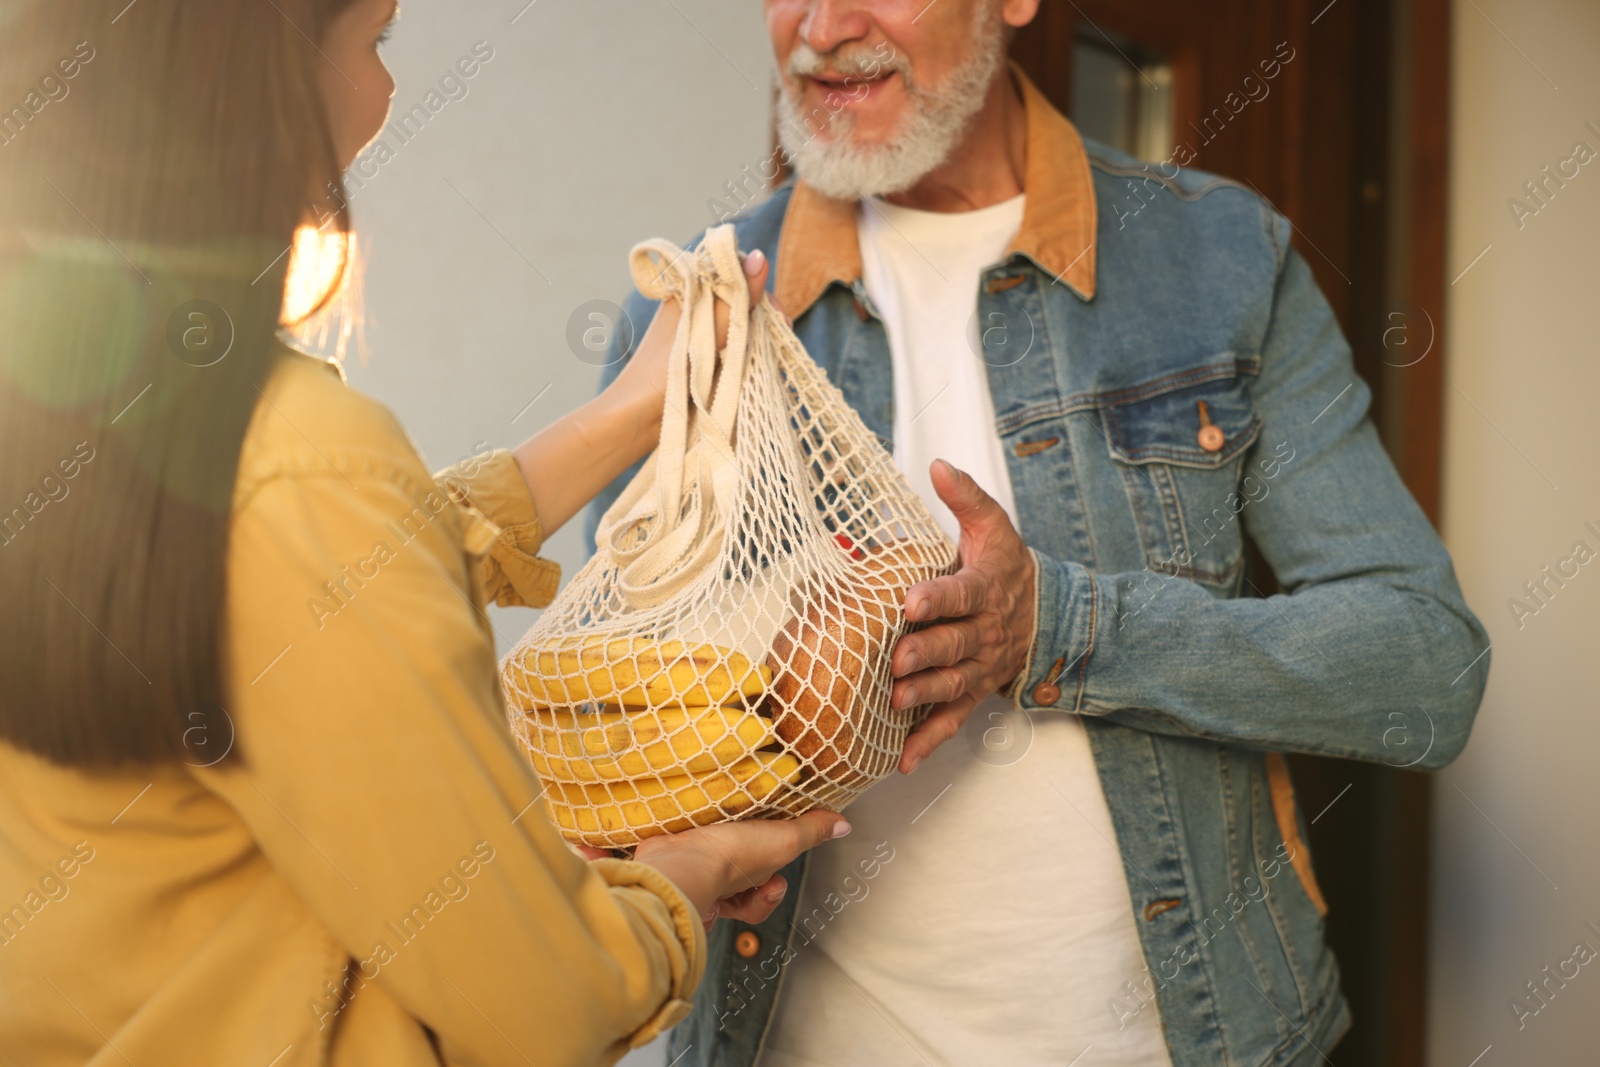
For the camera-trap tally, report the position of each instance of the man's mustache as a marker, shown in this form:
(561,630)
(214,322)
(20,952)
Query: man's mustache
(852,62)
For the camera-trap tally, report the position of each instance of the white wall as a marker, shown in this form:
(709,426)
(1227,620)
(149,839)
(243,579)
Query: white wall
(597,124)
(1516,868)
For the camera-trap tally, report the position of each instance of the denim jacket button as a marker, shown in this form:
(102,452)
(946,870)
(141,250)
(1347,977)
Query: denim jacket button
(1212,438)
(1046,693)
(747,944)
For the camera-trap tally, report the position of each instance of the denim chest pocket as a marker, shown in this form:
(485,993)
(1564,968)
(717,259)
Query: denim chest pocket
(1179,443)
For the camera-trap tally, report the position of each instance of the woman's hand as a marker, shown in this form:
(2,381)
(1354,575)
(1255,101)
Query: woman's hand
(642,385)
(568,462)
(729,870)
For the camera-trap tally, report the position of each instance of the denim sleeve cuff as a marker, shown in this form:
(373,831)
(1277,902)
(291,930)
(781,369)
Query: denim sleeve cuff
(1066,604)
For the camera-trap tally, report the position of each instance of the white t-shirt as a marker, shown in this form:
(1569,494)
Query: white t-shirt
(979,913)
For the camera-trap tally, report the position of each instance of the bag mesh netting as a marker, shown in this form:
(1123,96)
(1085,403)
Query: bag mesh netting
(725,653)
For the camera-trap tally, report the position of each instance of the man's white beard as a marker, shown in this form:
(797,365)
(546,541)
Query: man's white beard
(934,122)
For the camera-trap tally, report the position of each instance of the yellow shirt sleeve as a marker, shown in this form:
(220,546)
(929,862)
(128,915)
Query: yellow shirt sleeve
(502,531)
(377,772)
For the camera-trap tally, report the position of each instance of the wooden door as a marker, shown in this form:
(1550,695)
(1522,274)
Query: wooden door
(1302,101)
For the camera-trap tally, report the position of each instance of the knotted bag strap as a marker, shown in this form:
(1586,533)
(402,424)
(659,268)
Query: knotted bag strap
(665,539)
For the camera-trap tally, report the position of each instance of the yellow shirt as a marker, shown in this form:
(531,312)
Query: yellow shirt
(371,879)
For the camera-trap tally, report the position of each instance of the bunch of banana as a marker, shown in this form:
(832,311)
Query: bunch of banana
(636,672)
(672,745)
(572,746)
(618,814)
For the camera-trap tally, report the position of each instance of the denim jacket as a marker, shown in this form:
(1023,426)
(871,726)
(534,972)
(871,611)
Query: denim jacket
(1167,378)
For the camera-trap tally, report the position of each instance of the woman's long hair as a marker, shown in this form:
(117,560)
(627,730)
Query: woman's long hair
(154,167)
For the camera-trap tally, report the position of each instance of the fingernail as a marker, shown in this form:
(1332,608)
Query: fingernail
(840,829)
(916,761)
(910,698)
(776,893)
(754,262)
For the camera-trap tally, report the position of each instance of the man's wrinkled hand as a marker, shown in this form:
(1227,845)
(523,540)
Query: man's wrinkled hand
(980,618)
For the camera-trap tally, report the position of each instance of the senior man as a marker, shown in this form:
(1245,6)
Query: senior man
(1109,868)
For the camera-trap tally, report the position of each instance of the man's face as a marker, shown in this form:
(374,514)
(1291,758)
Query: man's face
(876,93)
(932,45)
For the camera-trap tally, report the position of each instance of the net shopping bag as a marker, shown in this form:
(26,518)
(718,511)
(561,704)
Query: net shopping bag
(726,652)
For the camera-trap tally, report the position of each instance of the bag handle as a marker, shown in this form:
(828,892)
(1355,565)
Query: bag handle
(663,541)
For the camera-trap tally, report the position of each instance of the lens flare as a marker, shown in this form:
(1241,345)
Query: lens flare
(319,263)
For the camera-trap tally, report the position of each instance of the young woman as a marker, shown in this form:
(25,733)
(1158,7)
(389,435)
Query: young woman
(258,801)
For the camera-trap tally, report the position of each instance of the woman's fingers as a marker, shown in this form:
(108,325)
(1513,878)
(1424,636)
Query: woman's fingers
(756,269)
(735,862)
(756,848)
(754,905)
(772,298)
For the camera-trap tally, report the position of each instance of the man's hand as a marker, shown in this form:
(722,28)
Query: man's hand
(985,619)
